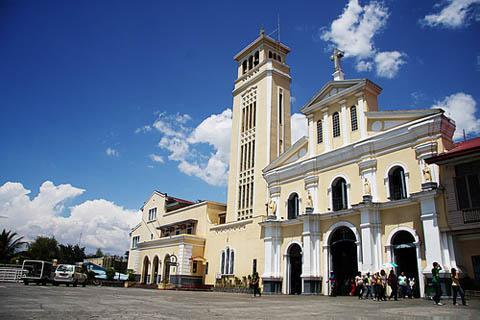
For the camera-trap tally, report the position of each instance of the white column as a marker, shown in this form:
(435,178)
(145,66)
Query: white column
(326,267)
(431,232)
(370,232)
(326,132)
(272,242)
(362,120)
(345,132)
(312,142)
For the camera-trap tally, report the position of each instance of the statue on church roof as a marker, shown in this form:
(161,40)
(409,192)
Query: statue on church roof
(336,58)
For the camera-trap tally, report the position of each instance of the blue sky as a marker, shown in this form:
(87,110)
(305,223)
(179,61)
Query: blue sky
(79,78)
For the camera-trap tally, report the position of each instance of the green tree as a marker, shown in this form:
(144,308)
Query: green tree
(71,254)
(99,253)
(10,244)
(43,248)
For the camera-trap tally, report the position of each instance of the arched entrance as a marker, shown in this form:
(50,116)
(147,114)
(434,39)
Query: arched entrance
(146,267)
(155,274)
(404,254)
(344,260)
(166,269)
(294,256)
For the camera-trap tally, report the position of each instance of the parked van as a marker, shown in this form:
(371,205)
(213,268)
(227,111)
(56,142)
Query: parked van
(69,274)
(37,271)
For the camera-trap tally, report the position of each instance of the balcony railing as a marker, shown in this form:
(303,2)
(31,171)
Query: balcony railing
(471,215)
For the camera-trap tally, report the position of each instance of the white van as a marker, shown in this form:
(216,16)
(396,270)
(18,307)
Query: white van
(69,274)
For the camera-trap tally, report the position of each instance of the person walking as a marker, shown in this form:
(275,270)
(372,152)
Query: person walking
(393,283)
(457,288)
(436,283)
(360,285)
(256,284)
(402,284)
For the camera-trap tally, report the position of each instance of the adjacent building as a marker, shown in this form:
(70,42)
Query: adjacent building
(354,194)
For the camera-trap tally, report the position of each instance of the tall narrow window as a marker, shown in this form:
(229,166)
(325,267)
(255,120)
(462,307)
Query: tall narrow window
(319,131)
(293,209)
(250,62)
(270,55)
(336,124)
(227,260)
(280,106)
(396,183)
(257,58)
(353,118)
(222,270)
(244,66)
(232,261)
(339,194)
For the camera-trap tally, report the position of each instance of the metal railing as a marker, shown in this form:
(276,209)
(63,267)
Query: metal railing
(471,215)
(11,273)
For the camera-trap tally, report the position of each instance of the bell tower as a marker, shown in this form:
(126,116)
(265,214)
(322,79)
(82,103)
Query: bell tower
(260,124)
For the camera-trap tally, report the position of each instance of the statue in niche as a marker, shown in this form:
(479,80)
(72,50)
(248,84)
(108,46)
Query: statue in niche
(272,207)
(309,202)
(427,174)
(367,190)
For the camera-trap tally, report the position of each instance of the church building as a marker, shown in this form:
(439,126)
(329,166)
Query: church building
(356,194)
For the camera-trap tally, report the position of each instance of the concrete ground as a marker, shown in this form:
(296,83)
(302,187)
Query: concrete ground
(37,302)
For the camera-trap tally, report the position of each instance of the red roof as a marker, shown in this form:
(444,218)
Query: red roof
(461,149)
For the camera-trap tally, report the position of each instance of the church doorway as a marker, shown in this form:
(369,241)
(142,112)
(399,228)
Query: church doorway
(405,256)
(295,269)
(343,249)
(146,267)
(166,269)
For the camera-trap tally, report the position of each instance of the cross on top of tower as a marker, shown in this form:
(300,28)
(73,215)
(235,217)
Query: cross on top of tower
(336,58)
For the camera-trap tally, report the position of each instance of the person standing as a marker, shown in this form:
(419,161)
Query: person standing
(360,285)
(393,283)
(367,282)
(383,286)
(457,288)
(256,285)
(436,283)
(402,283)
(377,281)
(333,284)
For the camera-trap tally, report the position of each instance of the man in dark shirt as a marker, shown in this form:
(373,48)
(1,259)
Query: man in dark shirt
(436,283)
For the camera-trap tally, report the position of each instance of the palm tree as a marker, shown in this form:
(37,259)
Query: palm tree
(9,245)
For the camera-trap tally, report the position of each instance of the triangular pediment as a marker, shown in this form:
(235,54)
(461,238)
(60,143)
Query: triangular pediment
(296,152)
(337,90)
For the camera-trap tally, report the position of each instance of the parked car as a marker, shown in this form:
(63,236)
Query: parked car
(37,271)
(69,274)
(101,272)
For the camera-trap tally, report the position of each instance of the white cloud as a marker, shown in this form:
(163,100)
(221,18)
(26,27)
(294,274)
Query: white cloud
(353,32)
(455,14)
(112,152)
(388,63)
(299,126)
(184,144)
(461,107)
(156,158)
(363,66)
(143,129)
(354,29)
(95,223)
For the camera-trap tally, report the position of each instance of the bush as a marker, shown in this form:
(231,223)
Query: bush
(131,275)
(110,273)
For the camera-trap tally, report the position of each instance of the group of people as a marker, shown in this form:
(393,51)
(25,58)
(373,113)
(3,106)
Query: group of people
(456,287)
(374,286)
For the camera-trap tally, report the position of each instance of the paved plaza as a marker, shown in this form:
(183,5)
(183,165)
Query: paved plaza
(37,302)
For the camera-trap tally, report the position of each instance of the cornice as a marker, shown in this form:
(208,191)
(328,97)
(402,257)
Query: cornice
(398,137)
(172,240)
